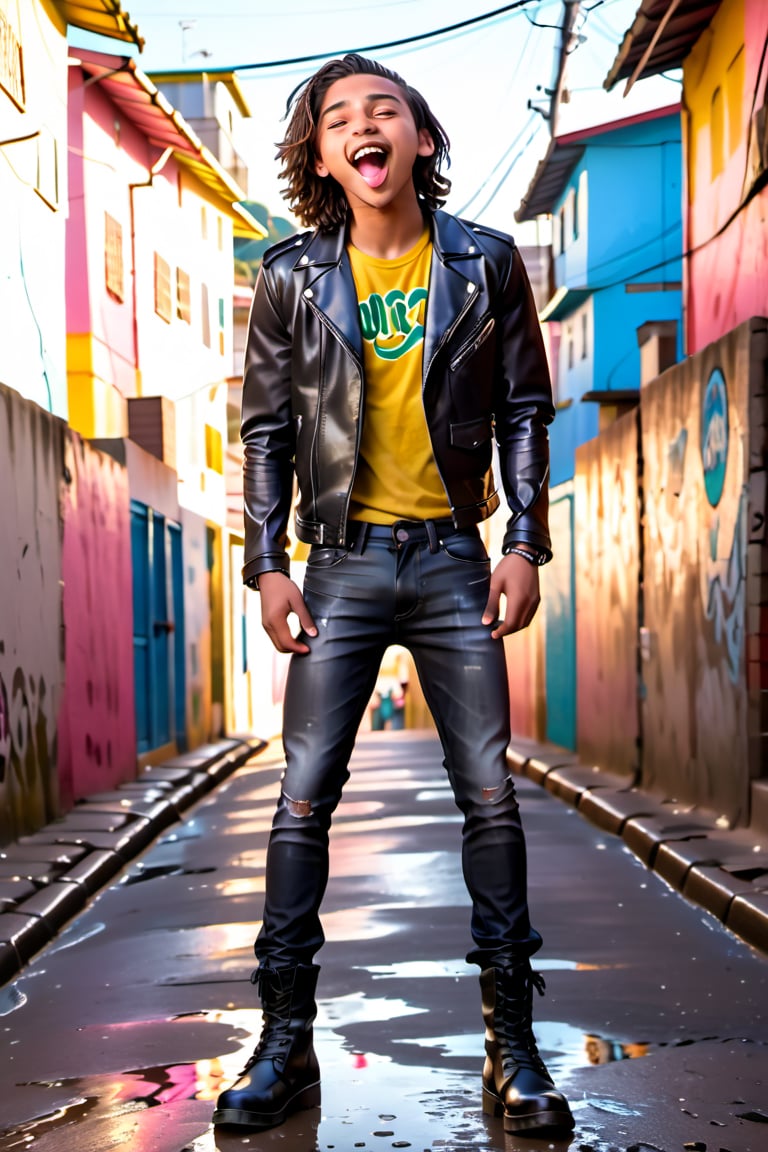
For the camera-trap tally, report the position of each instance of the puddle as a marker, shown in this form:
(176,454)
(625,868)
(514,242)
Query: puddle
(11,998)
(76,933)
(154,872)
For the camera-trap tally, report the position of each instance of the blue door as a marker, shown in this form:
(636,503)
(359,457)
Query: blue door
(560,627)
(158,640)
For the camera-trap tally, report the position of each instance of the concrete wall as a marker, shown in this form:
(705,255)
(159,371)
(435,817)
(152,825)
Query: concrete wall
(704,459)
(31,641)
(607,547)
(97,742)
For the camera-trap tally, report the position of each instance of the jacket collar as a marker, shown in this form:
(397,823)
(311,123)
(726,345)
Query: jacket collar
(456,278)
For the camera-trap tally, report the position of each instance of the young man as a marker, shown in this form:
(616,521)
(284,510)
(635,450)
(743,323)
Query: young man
(387,347)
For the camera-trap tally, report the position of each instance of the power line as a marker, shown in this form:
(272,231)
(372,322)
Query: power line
(532,118)
(470,22)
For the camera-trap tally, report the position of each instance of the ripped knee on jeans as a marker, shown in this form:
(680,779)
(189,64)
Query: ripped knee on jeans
(500,791)
(297,808)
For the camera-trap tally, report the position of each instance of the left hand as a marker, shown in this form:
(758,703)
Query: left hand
(518,582)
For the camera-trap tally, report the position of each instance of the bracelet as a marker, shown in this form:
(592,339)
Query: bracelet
(534,558)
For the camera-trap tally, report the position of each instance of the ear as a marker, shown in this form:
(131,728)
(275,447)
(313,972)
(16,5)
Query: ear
(426,143)
(320,168)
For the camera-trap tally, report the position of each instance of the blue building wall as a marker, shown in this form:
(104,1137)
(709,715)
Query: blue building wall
(625,198)
(619,223)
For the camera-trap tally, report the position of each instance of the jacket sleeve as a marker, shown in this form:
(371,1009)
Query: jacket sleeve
(267,432)
(523,409)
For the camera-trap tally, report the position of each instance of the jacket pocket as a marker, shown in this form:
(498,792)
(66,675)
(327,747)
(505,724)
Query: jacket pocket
(471,434)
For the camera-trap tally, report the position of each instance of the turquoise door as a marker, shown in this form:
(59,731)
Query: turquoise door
(558,583)
(158,633)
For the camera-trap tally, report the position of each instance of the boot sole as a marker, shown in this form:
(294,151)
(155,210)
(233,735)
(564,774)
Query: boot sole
(546,1123)
(308,1097)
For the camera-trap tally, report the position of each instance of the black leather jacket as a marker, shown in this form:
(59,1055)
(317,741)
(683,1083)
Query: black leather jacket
(484,375)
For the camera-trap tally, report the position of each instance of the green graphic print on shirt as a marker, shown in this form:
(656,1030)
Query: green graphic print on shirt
(396,314)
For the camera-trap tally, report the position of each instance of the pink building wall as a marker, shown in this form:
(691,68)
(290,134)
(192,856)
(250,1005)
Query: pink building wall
(108,156)
(97,739)
(726,275)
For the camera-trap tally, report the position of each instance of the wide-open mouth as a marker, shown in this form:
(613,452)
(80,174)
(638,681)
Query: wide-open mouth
(371,162)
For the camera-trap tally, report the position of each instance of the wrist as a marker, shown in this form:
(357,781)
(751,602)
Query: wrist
(253,581)
(529,554)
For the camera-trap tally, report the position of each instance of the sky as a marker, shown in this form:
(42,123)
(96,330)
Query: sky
(477,79)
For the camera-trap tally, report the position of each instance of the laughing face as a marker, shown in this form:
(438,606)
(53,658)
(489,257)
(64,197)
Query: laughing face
(367,140)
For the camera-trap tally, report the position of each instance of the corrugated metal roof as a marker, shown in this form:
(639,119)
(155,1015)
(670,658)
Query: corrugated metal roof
(144,105)
(660,37)
(550,178)
(106,17)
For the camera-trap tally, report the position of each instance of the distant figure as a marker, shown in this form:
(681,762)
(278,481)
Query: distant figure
(388,700)
(387,348)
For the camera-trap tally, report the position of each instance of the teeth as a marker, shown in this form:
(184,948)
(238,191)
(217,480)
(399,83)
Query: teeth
(370,150)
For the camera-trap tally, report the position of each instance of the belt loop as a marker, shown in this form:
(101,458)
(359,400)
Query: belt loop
(432,536)
(362,535)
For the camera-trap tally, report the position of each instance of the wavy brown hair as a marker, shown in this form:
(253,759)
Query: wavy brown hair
(319,202)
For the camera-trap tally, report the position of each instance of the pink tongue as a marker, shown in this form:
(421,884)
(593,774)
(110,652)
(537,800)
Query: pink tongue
(373,174)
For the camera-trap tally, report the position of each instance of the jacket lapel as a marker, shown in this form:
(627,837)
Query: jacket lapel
(456,280)
(330,287)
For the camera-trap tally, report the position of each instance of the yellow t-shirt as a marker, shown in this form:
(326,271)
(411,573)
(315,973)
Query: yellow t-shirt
(397,477)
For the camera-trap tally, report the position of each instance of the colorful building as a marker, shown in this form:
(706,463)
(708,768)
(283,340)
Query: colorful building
(150,280)
(33,187)
(613,195)
(720,46)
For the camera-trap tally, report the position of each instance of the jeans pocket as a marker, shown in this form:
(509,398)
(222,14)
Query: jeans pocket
(466,547)
(322,557)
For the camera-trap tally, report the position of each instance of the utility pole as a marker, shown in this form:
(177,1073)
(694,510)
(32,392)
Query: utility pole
(570,12)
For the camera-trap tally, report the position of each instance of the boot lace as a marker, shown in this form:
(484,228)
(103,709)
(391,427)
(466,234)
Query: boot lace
(275,1037)
(514,1007)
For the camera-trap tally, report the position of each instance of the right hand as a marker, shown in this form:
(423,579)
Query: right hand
(280,597)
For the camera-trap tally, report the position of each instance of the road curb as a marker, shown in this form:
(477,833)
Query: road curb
(724,871)
(48,877)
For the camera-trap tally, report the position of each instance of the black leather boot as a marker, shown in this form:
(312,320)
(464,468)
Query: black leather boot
(516,1083)
(283,1075)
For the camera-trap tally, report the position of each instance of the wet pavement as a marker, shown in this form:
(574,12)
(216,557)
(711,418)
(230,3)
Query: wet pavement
(121,1032)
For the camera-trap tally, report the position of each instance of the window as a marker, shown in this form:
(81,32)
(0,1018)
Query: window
(569,341)
(716,133)
(183,297)
(562,228)
(203,222)
(214,449)
(163,306)
(220,233)
(114,278)
(584,335)
(221,325)
(11,58)
(206,315)
(734,90)
(575,210)
(47,173)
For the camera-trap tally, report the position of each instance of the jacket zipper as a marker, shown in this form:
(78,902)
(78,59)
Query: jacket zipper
(441,344)
(359,432)
(473,343)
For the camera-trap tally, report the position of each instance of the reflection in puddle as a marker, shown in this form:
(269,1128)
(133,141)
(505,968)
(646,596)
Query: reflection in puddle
(11,998)
(76,933)
(421,1098)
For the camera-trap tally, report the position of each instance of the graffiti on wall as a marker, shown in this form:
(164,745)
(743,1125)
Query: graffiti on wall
(26,752)
(695,462)
(30,614)
(98,745)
